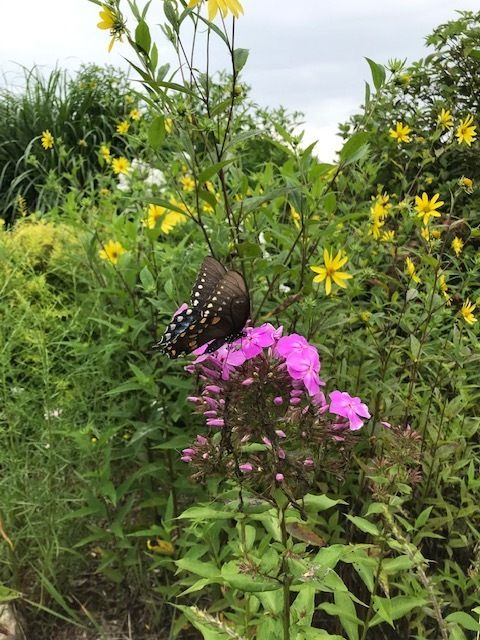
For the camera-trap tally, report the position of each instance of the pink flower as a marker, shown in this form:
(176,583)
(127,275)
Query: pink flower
(246,468)
(305,368)
(257,339)
(342,404)
(279,477)
(183,307)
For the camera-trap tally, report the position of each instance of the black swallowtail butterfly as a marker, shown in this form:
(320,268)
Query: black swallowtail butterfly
(218,311)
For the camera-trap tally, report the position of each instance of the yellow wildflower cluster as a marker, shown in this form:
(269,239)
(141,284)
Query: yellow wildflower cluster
(378,213)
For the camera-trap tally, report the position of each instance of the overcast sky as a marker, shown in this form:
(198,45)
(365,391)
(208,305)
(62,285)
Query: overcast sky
(307,55)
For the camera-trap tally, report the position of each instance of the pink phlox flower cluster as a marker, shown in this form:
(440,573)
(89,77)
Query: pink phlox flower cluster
(303,362)
(352,408)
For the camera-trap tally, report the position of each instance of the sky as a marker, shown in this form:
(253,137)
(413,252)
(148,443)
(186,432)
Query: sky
(305,55)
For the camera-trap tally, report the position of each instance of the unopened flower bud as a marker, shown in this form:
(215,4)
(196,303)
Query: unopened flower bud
(279,477)
(281,454)
(308,462)
(246,468)
(280,433)
(248,381)
(201,440)
(216,422)
(278,400)
(212,388)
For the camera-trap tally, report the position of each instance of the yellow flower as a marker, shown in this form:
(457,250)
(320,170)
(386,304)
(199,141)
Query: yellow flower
(428,208)
(411,270)
(457,245)
(330,271)
(365,316)
(295,217)
(123,127)
(466,183)
(436,233)
(224,6)
(155,212)
(388,236)
(105,153)
(445,119)
(188,183)
(47,139)
(135,114)
(111,251)
(378,212)
(120,165)
(467,312)
(163,547)
(168,125)
(171,220)
(113,23)
(207,208)
(442,285)
(425,233)
(465,131)
(107,19)
(400,133)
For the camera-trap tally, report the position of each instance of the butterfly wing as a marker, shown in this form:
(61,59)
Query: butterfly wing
(211,273)
(219,309)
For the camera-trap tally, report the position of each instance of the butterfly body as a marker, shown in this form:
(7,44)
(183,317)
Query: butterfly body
(218,311)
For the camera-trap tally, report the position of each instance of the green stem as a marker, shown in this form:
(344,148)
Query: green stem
(286,578)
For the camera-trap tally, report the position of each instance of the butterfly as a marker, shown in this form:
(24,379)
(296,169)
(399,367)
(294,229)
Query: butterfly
(218,311)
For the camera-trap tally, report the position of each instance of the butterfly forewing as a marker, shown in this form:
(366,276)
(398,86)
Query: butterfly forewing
(211,273)
(219,310)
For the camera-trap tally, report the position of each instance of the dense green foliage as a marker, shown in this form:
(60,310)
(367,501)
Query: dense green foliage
(97,513)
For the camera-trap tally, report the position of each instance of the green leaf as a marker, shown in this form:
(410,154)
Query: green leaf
(156,132)
(142,36)
(199,568)
(465,620)
(240,57)
(423,517)
(392,609)
(378,73)
(330,202)
(355,148)
(246,582)
(147,280)
(205,513)
(209,172)
(320,502)
(415,347)
(364,525)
